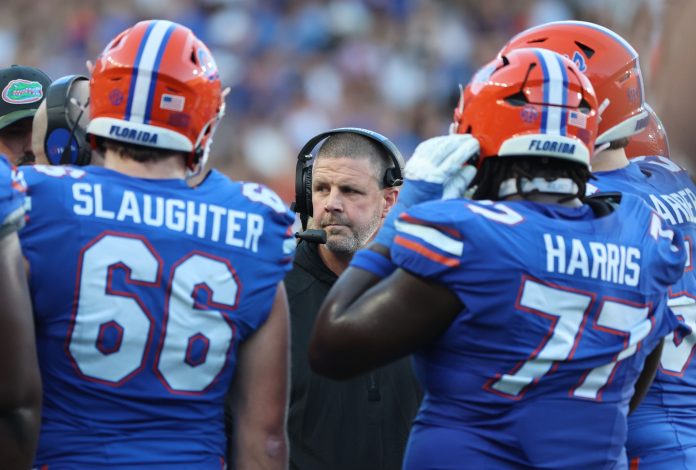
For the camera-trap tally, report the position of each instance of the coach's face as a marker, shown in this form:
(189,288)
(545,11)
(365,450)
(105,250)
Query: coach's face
(348,202)
(15,141)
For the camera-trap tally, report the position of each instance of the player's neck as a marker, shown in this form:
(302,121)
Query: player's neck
(610,159)
(336,262)
(167,167)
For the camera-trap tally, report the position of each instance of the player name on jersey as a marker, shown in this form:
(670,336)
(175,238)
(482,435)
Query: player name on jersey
(206,221)
(603,261)
(676,208)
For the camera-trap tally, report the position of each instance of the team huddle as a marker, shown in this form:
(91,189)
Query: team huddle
(536,266)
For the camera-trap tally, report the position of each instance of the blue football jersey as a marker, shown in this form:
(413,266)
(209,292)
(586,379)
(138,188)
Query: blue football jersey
(671,401)
(561,309)
(12,191)
(143,291)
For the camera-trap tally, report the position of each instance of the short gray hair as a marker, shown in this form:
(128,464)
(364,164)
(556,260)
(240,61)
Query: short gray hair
(357,146)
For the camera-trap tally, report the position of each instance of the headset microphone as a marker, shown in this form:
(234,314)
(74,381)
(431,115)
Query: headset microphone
(312,236)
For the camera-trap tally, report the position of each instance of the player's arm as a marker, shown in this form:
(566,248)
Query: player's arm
(366,322)
(646,377)
(20,380)
(260,393)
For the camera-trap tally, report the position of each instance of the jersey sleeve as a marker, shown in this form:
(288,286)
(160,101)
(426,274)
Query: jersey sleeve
(429,242)
(274,254)
(12,198)
(665,267)
(278,242)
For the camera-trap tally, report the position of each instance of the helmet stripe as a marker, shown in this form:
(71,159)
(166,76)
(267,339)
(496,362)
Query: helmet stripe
(544,108)
(153,41)
(555,91)
(564,113)
(155,71)
(134,73)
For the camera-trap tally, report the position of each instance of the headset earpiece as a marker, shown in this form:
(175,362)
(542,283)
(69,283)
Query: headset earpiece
(303,188)
(65,141)
(392,177)
(303,170)
(307,181)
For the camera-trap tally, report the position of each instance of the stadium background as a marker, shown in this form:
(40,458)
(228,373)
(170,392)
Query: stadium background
(298,67)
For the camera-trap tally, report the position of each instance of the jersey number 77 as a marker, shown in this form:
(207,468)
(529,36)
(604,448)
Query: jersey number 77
(569,310)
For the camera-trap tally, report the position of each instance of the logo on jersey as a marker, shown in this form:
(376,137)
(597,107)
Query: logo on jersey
(22,91)
(579,61)
(142,137)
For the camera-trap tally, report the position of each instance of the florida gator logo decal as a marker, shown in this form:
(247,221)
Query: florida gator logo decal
(22,91)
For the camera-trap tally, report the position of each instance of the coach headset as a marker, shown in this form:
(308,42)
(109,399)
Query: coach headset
(65,142)
(303,174)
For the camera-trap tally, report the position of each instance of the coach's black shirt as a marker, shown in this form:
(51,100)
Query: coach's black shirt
(357,424)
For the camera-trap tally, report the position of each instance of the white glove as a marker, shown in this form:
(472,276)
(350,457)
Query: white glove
(437,170)
(442,160)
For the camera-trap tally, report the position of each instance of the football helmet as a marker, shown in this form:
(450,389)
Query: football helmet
(609,62)
(650,141)
(530,102)
(157,85)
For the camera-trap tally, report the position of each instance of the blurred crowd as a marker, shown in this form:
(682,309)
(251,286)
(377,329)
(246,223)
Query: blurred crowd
(299,67)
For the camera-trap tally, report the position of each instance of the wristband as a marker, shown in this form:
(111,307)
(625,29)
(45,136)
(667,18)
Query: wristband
(373,262)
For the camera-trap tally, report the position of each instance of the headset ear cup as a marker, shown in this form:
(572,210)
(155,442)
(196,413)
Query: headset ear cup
(65,141)
(392,177)
(298,205)
(84,148)
(54,143)
(307,188)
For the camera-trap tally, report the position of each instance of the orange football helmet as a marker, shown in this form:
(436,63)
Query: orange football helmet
(609,62)
(650,141)
(157,85)
(530,102)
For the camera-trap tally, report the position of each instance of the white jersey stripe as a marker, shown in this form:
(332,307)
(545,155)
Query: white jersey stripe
(432,237)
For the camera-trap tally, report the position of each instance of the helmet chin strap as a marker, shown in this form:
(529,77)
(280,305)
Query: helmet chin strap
(537,185)
(200,164)
(205,151)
